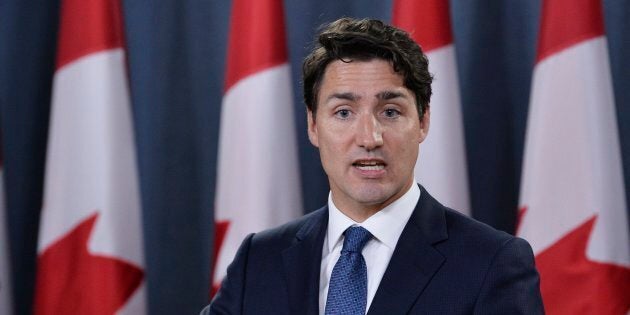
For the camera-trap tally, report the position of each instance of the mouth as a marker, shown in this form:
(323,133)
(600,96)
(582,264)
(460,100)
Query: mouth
(370,165)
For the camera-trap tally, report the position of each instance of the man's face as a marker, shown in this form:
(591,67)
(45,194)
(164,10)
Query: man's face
(367,130)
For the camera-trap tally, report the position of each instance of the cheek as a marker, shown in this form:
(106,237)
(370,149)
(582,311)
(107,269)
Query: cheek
(329,148)
(410,149)
(334,136)
(405,132)
(404,148)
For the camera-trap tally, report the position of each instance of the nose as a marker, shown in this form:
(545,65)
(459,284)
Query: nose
(369,133)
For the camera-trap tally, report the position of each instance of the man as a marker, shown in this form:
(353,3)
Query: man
(382,245)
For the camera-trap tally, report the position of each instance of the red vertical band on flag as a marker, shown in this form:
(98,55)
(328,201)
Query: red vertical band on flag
(88,26)
(565,23)
(428,22)
(257,40)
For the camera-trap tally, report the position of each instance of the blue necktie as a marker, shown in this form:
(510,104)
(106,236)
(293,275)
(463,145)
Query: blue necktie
(347,292)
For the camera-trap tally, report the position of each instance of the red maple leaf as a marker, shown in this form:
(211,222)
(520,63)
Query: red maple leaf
(70,280)
(573,284)
(220,229)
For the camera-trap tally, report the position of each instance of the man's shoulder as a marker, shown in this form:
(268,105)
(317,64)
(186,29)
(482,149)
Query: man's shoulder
(442,223)
(491,268)
(480,238)
(465,226)
(288,232)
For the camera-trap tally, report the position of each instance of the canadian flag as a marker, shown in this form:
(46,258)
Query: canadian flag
(90,252)
(574,211)
(6,302)
(258,183)
(441,165)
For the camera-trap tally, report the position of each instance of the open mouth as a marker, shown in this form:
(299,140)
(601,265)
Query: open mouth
(369,165)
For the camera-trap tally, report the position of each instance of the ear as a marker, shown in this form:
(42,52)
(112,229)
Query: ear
(424,125)
(312,128)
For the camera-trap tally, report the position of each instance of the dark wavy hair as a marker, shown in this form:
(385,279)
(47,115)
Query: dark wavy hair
(350,39)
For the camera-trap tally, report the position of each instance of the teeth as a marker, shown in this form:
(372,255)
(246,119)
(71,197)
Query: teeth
(371,167)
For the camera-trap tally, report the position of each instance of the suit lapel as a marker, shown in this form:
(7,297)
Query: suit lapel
(302,263)
(414,261)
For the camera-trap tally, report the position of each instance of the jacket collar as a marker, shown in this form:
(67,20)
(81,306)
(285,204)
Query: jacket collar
(302,263)
(414,261)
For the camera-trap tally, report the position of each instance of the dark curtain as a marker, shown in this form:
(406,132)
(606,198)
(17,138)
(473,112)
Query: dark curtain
(176,55)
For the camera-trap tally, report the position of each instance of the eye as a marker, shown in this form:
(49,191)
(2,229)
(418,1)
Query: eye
(391,113)
(343,113)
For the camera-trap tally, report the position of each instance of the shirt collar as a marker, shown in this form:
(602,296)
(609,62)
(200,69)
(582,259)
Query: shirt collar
(385,225)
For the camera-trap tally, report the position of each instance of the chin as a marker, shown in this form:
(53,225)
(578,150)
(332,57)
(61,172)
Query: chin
(372,195)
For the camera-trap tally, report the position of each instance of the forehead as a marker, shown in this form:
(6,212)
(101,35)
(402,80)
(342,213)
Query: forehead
(357,75)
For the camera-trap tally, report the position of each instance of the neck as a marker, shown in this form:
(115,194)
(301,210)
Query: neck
(360,215)
(359,212)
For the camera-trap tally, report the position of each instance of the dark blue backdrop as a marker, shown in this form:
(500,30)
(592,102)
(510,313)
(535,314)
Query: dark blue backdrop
(176,62)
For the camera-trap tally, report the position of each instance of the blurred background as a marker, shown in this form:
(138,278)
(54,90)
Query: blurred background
(176,54)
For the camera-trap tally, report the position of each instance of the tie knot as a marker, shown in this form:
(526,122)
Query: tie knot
(355,238)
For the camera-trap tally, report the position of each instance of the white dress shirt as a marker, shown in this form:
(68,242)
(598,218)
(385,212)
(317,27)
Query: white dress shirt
(385,226)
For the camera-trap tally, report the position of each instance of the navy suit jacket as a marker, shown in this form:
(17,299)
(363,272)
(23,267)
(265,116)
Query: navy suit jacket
(444,263)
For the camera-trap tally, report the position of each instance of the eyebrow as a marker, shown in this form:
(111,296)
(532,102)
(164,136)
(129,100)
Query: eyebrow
(349,96)
(385,95)
(388,95)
